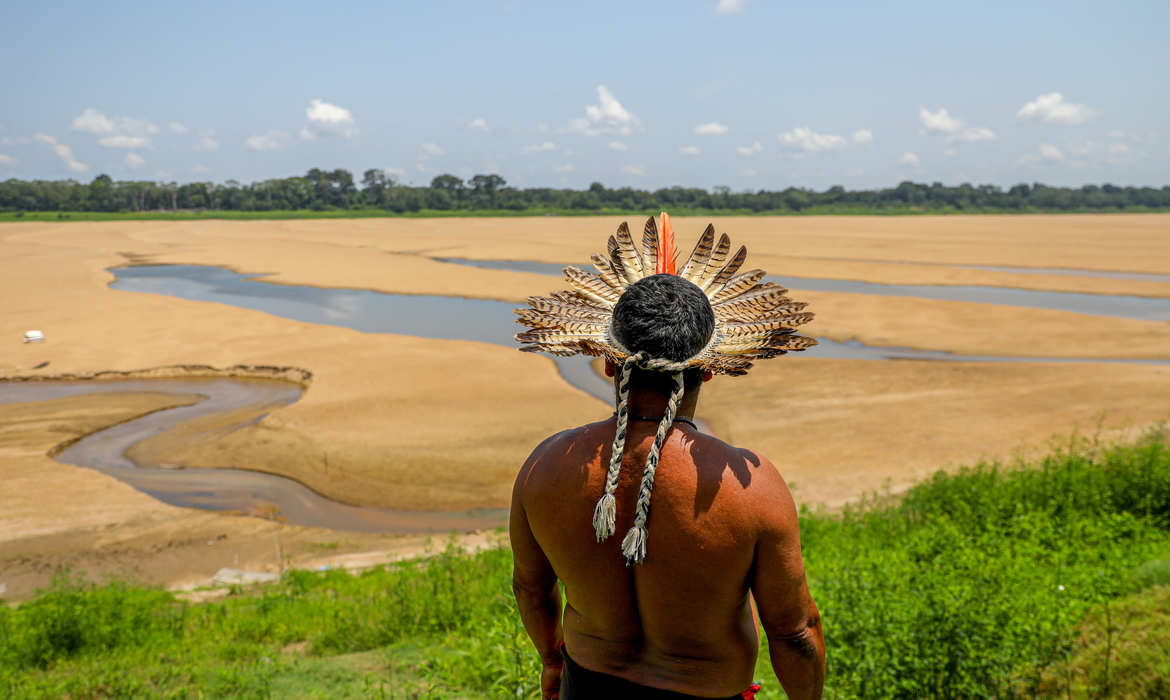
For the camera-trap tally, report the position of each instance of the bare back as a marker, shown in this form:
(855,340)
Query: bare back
(722,525)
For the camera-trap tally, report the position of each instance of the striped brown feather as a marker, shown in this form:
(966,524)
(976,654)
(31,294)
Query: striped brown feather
(714,265)
(650,246)
(556,337)
(762,289)
(700,255)
(770,323)
(755,303)
(717,284)
(748,314)
(591,285)
(558,308)
(608,275)
(628,258)
(737,285)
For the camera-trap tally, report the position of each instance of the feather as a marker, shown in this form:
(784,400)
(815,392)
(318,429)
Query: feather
(556,337)
(591,285)
(625,257)
(700,255)
(559,308)
(704,277)
(538,320)
(650,252)
(759,302)
(608,274)
(767,324)
(665,247)
(720,280)
(759,290)
(749,314)
(737,285)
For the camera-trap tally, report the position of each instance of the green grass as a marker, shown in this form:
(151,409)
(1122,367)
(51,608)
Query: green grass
(1042,579)
(229,215)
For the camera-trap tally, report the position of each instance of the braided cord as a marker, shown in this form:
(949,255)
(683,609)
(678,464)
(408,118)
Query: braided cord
(634,544)
(605,514)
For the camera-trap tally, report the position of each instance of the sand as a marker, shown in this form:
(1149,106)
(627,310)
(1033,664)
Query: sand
(412,423)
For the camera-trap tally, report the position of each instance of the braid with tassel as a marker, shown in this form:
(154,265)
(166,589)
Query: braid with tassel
(634,544)
(605,514)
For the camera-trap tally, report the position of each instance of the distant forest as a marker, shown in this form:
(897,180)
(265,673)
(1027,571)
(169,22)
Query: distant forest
(336,190)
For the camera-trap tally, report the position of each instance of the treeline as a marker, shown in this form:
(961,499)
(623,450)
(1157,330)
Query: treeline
(321,190)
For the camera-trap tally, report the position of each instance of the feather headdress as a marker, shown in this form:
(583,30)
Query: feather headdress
(754,320)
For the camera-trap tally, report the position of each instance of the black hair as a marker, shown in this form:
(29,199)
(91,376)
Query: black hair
(668,317)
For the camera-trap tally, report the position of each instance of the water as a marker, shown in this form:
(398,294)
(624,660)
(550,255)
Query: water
(223,489)
(422,316)
(1140,308)
(444,318)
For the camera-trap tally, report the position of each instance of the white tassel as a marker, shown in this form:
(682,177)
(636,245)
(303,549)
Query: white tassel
(634,546)
(605,516)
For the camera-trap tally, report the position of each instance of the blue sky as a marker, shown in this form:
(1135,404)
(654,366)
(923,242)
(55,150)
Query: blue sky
(748,94)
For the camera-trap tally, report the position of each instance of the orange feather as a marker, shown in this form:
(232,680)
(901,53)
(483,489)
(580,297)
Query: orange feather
(666,252)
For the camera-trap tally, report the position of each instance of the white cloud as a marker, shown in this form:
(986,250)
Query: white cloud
(125,142)
(431,149)
(805,140)
(1048,155)
(940,121)
(608,117)
(122,132)
(951,152)
(207,141)
(274,140)
(63,152)
(566,168)
(618,146)
(537,148)
(394,172)
(1052,109)
(972,135)
(748,173)
(855,172)
(908,158)
(1083,149)
(326,120)
(1116,134)
(8,161)
(688,151)
(1050,152)
(633,171)
(862,136)
(1118,148)
(730,7)
(161,174)
(13,142)
(177,128)
(748,150)
(200,169)
(711,129)
(478,125)
(133,160)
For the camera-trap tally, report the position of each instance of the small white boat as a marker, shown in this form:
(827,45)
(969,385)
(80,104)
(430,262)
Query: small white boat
(33,336)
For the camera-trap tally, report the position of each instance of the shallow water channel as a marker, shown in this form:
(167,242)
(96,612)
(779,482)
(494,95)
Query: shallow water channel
(1141,308)
(423,316)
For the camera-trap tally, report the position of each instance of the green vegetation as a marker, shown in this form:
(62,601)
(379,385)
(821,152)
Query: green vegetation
(334,193)
(1038,579)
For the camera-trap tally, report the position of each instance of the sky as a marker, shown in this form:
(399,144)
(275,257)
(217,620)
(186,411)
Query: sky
(745,94)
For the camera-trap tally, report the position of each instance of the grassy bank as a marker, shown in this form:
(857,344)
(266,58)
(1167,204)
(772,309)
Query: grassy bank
(370,213)
(1039,579)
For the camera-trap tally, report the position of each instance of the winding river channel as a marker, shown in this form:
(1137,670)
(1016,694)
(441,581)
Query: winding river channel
(422,316)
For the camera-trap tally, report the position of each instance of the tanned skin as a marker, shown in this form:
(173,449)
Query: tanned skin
(722,531)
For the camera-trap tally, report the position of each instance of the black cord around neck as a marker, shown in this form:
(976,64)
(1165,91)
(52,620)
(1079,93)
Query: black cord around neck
(677,419)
